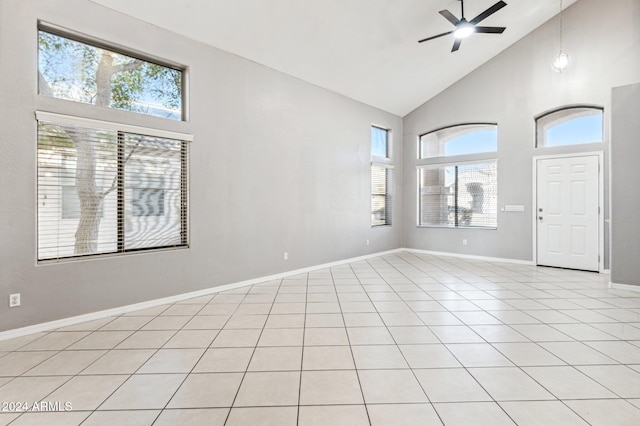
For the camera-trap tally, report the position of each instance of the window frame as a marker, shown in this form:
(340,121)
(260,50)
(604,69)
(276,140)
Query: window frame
(122,50)
(539,128)
(454,160)
(387,163)
(434,166)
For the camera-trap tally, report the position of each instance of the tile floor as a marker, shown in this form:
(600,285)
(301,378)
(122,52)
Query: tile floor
(396,340)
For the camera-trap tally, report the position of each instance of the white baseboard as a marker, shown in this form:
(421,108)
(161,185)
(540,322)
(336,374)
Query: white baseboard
(65,322)
(469,256)
(625,287)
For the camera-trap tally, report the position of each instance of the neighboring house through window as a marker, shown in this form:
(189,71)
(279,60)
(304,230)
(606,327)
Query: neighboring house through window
(457,177)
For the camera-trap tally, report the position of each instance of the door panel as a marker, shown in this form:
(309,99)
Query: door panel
(567,212)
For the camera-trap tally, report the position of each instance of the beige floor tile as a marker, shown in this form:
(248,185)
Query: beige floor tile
(88,325)
(456,334)
(101,340)
(30,389)
(125,361)
(167,323)
(207,390)
(403,414)
(325,336)
(323,307)
(390,386)
(87,392)
(127,323)
(400,319)
(6,418)
(276,359)
(192,417)
(622,352)
(200,300)
(356,306)
(509,384)
(330,387)
(16,363)
(498,333)
(236,338)
(369,336)
(288,308)
(472,413)
(478,355)
(583,332)
(206,322)
(363,320)
(55,341)
(335,415)
(122,418)
(548,413)
(65,363)
(51,418)
(267,416)
(428,356)
(281,337)
(413,335)
(568,383)
(172,361)
(18,342)
(219,309)
(541,333)
(146,339)
(245,322)
(451,385)
(184,339)
(285,321)
(224,360)
(324,320)
(283,388)
(378,357)
(577,353)
(527,354)
(621,380)
(327,358)
(144,391)
(611,412)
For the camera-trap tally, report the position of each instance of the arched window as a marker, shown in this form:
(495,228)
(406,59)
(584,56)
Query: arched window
(570,126)
(459,140)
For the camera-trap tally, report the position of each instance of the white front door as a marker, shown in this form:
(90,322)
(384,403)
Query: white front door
(567,212)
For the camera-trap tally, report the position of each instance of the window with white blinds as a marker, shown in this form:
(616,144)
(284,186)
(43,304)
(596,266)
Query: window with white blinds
(381,177)
(458,195)
(109,188)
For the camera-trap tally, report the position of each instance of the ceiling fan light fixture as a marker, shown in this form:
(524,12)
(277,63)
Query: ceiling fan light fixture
(464,31)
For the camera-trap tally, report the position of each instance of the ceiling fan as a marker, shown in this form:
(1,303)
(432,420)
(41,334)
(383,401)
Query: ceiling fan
(464,28)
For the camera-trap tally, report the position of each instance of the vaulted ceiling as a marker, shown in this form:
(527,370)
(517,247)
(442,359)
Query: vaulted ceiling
(364,49)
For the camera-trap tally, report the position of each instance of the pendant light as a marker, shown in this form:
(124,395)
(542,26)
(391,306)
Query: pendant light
(561,61)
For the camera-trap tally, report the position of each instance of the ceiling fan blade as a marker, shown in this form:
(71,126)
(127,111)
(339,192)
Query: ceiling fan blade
(435,36)
(449,17)
(490,30)
(456,44)
(493,9)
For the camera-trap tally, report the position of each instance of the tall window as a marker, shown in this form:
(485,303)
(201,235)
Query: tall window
(570,126)
(381,177)
(106,187)
(458,193)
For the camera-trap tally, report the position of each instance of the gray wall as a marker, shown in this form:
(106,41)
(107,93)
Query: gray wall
(277,165)
(625,176)
(603,40)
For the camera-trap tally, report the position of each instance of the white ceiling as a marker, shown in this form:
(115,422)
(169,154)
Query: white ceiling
(364,49)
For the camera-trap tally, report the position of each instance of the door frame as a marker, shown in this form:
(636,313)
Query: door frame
(534,216)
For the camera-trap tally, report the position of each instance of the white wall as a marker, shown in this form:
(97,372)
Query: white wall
(277,165)
(603,40)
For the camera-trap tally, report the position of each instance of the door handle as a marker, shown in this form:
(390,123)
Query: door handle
(540,217)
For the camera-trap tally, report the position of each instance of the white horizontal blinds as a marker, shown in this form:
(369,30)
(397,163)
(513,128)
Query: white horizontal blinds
(381,176)
(107,191)
(77,203)
(154,192)
(461,195)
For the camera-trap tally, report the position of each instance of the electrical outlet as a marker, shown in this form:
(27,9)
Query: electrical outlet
(286,256)
(464,242)
(14,300)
